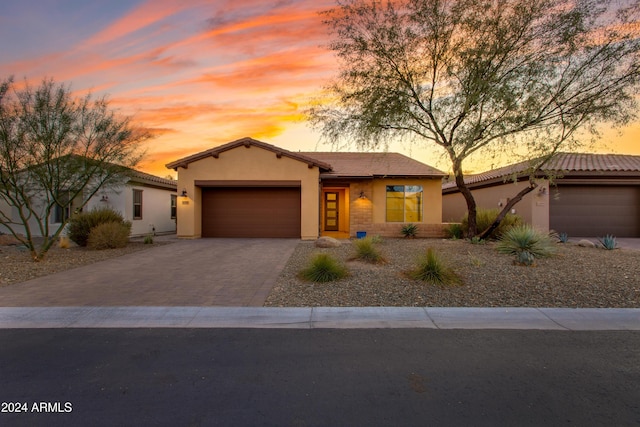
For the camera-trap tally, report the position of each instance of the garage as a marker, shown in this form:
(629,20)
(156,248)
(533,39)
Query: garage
(595,211)
(251,212)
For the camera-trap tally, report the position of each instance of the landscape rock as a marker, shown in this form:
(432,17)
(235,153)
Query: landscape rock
(586,243)
(327,242)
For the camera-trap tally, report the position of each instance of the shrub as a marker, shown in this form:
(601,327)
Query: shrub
(148,239)
(486,217)
(431,269)
(454,231)
(563,237)
(110,235)
(409,230)
(367,251)
(526,244)
(80,225)
(608,242)
(324,268)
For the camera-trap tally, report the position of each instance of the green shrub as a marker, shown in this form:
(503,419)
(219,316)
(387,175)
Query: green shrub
(433,270)
(486,217)
(324,268)
(526,244)
(148,239)
(110,235)
(367,251)
(409,230)
(608,242)
(454,231)
(80,225)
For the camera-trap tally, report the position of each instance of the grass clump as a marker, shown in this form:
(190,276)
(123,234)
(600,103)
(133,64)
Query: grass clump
(486,217)
(526,244)
(324,268)
(148,239)
(431,269)
(366,250)
(454,231)
(110,235)
(80,225)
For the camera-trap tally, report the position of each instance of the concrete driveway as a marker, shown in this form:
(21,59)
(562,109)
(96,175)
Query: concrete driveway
(202,272)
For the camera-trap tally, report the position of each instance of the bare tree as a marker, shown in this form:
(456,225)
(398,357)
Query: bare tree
(476,77)
(56,152)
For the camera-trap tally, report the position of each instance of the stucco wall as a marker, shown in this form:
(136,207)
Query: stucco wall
(246,164)
(533,208)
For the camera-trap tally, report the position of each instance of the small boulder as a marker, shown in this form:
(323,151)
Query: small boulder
(327,242)
(586,243)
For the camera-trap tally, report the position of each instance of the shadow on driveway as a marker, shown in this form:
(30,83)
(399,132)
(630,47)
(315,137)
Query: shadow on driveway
(202,272)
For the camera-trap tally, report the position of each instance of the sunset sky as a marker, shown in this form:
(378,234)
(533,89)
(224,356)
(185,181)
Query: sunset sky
(199,73)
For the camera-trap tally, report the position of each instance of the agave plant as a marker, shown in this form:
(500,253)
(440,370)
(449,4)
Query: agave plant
(409,230)
(526,244)
(608,242)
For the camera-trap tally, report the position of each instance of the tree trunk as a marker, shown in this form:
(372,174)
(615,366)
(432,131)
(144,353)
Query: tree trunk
(505,210)
(468,197)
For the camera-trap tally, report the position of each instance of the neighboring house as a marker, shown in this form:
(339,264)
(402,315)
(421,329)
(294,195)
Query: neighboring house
(591,195)
(248,188)
(148,201)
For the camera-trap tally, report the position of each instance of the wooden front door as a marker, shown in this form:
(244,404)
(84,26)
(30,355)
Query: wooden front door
(331,214)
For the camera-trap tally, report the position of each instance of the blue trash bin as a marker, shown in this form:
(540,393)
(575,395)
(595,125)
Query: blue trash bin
(361,234)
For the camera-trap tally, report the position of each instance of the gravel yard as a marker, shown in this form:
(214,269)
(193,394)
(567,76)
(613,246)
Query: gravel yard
(575,277)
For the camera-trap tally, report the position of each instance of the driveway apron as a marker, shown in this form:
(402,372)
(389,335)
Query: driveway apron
(202,272)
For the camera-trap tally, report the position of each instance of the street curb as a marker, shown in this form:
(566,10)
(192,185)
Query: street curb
(565,319)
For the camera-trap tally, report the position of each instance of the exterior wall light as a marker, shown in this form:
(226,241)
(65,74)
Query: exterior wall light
(184,192)
(362,196)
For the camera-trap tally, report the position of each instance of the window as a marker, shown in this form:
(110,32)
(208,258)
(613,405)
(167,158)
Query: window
(62,211)
(137,204)
(174,205)
(404,203)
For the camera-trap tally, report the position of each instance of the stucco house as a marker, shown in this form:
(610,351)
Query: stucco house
(591,194)
(248,188)
(148,201)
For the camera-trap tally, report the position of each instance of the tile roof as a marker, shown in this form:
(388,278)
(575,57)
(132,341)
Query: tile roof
(567,163)
(145,178)
(369,165)
(247,142)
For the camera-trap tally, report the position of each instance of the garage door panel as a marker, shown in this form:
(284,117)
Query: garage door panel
(251,212)
(596,211)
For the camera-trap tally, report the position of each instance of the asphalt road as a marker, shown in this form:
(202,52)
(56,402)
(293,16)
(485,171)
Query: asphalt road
(328,377)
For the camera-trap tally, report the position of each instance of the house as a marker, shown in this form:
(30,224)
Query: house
(591,194)
(147,201)
(248,188)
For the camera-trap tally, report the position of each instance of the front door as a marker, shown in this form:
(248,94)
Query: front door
(331,211)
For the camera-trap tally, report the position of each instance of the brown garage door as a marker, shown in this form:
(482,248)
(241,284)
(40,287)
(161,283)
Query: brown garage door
(590,211)
(251,212)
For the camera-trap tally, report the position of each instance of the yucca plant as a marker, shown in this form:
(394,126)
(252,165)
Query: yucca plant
(608,242)
(431,269)
(526,244)
(409,231)
(324,268)
(367,251)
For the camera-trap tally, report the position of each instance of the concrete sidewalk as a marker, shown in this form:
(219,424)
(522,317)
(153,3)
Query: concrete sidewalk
(592,319)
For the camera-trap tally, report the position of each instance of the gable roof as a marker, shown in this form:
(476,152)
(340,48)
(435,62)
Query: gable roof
(369,165)
(152,180)
(587,164)
(247,142)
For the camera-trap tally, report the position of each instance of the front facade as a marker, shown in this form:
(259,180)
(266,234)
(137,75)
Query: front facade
(591,195)
(248,188)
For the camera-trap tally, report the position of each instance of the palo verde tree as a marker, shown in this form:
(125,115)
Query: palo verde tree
(476,77)
(56,152)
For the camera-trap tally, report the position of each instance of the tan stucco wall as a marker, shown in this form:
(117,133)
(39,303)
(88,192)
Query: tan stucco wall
(246,164)
(533,208)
